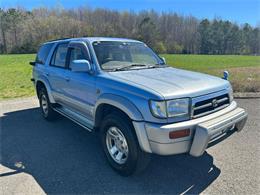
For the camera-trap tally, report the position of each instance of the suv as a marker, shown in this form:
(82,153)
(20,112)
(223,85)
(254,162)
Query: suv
(124,91)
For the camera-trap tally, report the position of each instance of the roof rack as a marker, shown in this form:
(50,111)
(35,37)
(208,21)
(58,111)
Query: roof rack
(60,39)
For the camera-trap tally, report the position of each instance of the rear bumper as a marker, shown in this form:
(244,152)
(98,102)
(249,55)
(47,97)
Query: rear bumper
(205,132)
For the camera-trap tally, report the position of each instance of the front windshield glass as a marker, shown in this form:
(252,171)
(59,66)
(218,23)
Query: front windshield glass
(115,55)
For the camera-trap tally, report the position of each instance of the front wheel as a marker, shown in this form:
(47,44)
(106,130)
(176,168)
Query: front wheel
(121,146)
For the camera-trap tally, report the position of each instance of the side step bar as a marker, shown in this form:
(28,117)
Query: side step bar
(75,117)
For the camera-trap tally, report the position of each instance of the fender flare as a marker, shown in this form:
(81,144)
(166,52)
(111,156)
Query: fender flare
(121,103)
(47,86)
(133,113)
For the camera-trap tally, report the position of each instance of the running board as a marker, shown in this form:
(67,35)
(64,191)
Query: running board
(75,117)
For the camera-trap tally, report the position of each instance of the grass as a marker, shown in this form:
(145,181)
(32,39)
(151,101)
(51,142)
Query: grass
(15,72)
(209,62)
(244,70)
(15,75)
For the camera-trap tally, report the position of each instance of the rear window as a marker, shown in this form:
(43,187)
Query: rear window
(43,53)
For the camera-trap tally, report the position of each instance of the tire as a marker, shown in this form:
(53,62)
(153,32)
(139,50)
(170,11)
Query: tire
(136,160)
(46,108)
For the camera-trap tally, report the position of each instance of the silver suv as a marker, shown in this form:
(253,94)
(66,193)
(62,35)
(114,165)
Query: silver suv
(124,91)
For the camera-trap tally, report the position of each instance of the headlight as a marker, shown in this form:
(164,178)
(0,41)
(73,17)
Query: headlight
(178,107)
(171,108)
(158,108)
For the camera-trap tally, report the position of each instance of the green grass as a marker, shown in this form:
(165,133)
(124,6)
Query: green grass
(15,75)
(208,62)
(15,72)
(244,70)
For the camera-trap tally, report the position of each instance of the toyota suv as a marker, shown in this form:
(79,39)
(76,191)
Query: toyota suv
(124,91)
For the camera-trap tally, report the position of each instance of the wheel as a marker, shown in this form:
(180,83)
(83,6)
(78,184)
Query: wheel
(46,108)
(121,146)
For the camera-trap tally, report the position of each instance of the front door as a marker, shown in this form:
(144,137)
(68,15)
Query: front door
(81,88)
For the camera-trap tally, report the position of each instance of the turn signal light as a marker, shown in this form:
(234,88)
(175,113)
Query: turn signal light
(179,133)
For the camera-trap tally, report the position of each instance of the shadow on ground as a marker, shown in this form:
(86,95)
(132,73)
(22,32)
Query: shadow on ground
(64,158)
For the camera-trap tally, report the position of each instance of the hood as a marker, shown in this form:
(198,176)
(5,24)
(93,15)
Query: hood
(172,82)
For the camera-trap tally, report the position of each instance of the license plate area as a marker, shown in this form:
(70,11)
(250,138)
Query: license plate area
(221,133)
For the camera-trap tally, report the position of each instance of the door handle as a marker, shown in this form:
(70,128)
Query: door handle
(47,74)
(67,78)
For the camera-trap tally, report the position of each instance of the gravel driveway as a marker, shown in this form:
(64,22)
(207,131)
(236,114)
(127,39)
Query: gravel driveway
(60,157)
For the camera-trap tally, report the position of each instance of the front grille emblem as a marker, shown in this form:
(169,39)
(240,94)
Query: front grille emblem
(214,103)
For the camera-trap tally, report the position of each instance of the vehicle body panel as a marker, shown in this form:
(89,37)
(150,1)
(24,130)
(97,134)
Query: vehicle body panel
(81,89)
(174,83)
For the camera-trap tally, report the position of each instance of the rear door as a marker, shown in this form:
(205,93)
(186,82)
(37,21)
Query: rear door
(57,72)
(40,63)
(81,88)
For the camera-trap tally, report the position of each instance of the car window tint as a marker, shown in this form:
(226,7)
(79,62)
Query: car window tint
(43,53)
(76,54)
(59,57)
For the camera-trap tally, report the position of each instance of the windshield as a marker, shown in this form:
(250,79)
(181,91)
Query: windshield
(115,55)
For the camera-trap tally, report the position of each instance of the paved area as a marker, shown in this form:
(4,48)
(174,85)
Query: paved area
(39,157)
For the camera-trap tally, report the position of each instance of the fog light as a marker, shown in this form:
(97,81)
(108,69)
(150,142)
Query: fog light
(179,133)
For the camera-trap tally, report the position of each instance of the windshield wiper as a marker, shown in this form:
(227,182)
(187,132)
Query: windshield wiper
(130,66)
(161,65)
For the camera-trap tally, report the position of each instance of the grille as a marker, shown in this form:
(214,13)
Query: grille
(210,105)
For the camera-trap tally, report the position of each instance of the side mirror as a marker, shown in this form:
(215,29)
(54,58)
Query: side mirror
(163,59)
(32,63)
(225,75)
(80,66)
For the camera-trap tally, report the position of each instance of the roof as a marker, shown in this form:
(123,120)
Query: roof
(94,39)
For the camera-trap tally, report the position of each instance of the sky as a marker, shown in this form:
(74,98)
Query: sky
(239,11)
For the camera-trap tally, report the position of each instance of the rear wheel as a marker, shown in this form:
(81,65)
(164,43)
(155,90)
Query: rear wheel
(121,146)
(46,108)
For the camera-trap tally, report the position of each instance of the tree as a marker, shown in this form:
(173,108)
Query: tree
(14,18)
(255,41)
(23,31)
(4,26)
(147,31)
(205,36)
(160,47)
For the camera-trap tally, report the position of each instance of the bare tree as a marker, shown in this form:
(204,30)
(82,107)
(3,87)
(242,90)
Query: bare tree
(22,31)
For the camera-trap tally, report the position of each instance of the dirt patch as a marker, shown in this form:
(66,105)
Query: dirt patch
(243,79)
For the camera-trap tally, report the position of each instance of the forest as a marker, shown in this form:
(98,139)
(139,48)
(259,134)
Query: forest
(22,31)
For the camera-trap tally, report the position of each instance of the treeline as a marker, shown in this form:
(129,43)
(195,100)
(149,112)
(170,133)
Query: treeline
(22,31)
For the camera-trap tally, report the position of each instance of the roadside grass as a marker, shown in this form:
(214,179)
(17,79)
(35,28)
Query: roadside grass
(244,70)
(15,72)
(208,62)
(15,75)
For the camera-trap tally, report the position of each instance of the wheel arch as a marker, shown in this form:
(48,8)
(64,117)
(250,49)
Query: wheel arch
(115,102)
(127,108)
(43,83)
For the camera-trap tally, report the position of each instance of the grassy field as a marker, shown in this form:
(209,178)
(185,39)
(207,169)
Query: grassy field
(244,70)
(15,72)
(15,75)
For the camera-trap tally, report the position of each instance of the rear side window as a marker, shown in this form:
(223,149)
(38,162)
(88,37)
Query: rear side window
(43,53)
(59,57)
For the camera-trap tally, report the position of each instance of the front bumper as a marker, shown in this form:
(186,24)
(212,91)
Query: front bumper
(205,132)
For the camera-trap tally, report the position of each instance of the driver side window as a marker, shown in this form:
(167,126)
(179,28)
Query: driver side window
(76,54)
